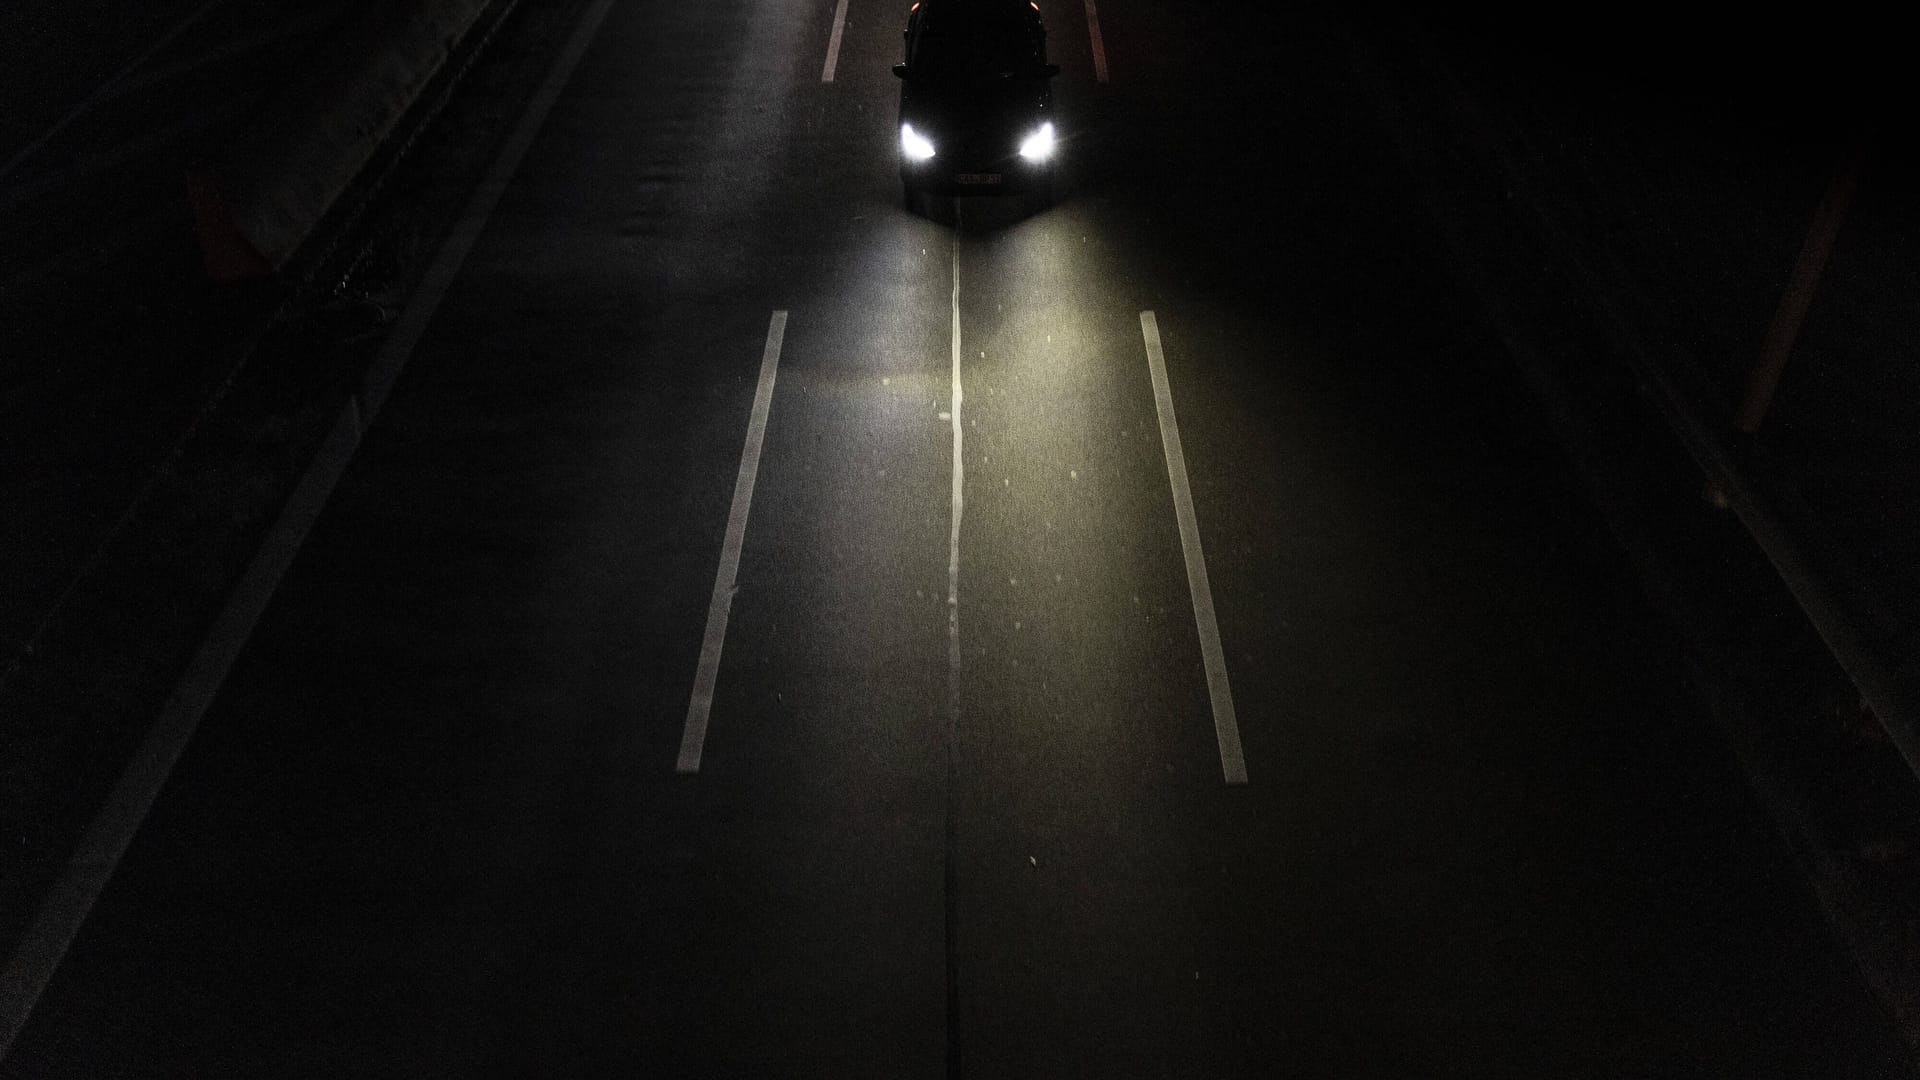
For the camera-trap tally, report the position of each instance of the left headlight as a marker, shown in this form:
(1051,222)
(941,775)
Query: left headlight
(913,145)
(1039,145)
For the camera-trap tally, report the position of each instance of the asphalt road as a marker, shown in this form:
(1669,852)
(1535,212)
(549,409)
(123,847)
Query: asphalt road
(432,824)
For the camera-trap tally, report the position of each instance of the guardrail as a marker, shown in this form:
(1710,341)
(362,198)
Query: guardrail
(259,199)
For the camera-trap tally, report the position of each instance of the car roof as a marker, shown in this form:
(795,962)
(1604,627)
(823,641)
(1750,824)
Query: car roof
(979,12)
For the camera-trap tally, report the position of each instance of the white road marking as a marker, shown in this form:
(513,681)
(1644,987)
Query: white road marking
(1099,45)
(833,43)
(65,908)
(694,737)
(959,496)
(950,871)
(1225,728)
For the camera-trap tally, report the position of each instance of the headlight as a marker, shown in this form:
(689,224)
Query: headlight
(913,145)
(1039,145)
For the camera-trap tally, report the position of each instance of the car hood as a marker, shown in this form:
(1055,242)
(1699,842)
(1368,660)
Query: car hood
(982,111)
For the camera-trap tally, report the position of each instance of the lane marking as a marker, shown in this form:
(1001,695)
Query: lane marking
(693,738)
(833,43)
(959,497)
(1226,729)
(67,904)
(1099,46)
(951,870)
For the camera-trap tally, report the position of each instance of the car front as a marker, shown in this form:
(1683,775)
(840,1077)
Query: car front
(976,115)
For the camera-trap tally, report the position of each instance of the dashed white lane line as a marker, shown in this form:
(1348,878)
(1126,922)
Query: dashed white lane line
(1226,728)
(833,43)
(693,737)
(1099,45)
(67,904)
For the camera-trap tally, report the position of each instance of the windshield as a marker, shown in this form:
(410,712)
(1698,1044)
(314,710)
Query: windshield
(977,52)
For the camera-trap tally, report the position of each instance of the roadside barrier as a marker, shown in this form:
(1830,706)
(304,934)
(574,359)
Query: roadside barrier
(257,200)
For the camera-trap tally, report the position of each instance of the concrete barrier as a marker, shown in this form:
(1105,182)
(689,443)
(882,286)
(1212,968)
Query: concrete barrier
(259,199)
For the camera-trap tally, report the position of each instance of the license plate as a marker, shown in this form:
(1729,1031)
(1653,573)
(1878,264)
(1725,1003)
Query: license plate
(977,178)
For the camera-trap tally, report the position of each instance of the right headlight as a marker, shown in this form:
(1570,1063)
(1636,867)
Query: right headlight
(913,145)
(1039,145)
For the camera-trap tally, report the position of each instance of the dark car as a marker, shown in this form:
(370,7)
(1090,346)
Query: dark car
(976,105)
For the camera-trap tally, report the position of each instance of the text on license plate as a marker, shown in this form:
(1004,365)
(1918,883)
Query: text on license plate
(977,178)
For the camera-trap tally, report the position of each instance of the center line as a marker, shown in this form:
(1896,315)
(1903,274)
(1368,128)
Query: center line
(1099,46)
(951,873)
(1225,728)
(959,498)
(833,43)
(693,739)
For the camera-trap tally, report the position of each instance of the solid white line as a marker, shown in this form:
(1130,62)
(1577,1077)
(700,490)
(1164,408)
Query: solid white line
(693,738)
(1225,728)
(959,496)
(833,43)
(1099,46)
(92,865)
(950,872)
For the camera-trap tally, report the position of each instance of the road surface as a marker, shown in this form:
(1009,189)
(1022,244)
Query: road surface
(962,799)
